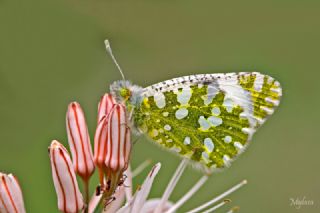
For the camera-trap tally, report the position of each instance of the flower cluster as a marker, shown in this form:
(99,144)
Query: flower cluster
(111,156)
(139,202)
(112,147)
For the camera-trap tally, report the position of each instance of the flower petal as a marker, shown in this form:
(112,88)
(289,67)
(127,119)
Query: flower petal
(105,105)
(172,184)
(64,178)
(11,199)
(79,141)
(151,204)
(119,196)
(139,199)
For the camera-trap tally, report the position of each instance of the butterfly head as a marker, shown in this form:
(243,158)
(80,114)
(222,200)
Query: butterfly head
(126,92)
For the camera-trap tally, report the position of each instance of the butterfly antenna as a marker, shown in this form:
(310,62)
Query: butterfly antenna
(109,51)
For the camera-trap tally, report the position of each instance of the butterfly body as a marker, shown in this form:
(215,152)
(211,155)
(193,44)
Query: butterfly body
(207,118)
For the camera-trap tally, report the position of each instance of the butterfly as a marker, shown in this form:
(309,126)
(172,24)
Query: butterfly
(207,118)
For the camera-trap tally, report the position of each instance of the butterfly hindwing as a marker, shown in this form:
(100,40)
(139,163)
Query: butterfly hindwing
(207,118)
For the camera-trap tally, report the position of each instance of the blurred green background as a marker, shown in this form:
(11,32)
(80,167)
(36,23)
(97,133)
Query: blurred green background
(52,52)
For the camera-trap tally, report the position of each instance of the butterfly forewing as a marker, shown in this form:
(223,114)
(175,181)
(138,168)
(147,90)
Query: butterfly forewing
(207,118)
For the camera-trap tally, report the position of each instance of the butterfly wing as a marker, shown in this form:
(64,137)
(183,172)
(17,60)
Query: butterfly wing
(207,118)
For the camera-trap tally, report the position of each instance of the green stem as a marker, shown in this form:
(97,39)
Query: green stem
(86,194)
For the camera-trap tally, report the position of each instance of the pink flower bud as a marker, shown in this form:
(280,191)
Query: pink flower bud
(79,141)
(105,105)
(100,146)
(64,178)
(11,199)
(112,148)
(119,139)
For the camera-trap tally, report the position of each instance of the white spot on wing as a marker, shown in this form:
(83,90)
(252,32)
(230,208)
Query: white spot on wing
(167,127)
(216,110)
(238,145)
(205,157)
(227,139)
(239,96)
(276,90)
(272,101)
(204,124)
(226,160)
(267,110)
(228,104)
(248,131)
(209,144)
(215,121)
(212,91)
(154,133)
(181,113)
(184,96)
(270,80)
(165,114)
(186,141)
(160,99)
(258,82)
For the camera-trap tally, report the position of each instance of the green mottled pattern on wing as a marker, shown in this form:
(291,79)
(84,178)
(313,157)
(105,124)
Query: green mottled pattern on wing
(208,132)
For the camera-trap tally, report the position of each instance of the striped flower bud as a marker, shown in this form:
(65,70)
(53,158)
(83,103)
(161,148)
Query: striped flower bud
(119,139)
(11,199)
(64,179)
(105,105)
(79,141)
(112,148)
(100,147)
(118,148)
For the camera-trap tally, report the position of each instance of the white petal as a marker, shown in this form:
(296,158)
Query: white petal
(151,204)
(173,182)
(136,204)
(119,198)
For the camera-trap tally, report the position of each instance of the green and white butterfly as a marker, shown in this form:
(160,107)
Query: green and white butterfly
(207,118)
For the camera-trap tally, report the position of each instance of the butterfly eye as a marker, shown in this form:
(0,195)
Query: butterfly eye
(125,93)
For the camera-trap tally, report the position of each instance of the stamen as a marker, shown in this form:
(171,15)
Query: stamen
(140,168)
(219,197)
(173,182)
(187,196)
(234,209)
(109,50)
(217,206)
